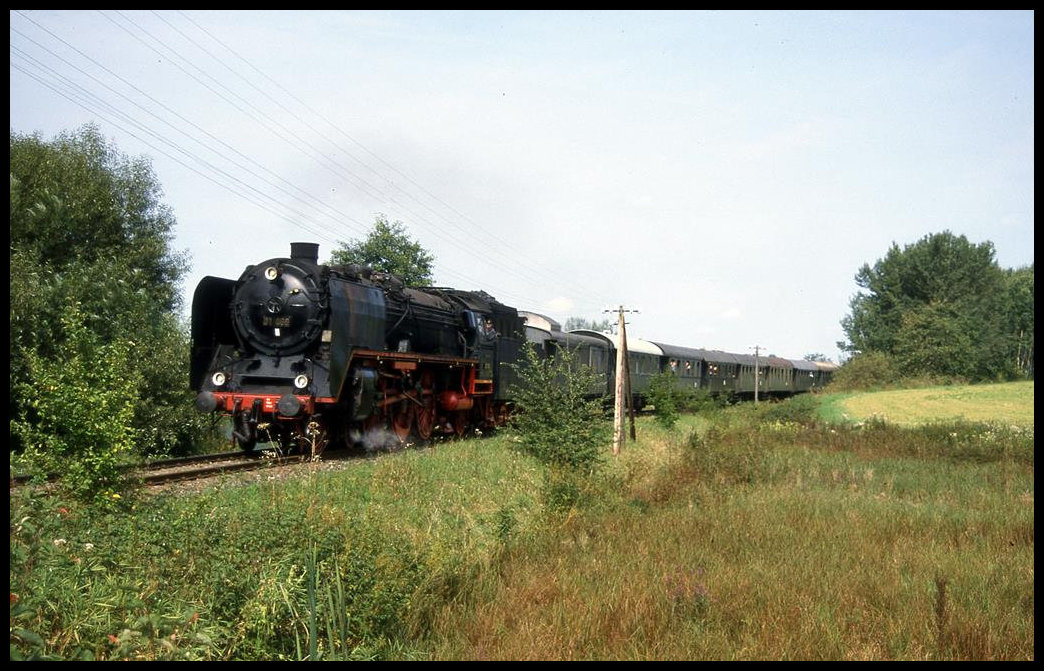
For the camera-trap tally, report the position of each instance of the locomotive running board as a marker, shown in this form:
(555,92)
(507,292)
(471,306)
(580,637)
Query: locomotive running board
(413,357)
(410,360)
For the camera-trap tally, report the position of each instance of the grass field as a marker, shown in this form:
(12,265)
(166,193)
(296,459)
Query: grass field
(1008,403)
(743,534)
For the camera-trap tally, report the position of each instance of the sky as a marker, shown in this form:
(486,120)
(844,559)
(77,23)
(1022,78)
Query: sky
(723,174)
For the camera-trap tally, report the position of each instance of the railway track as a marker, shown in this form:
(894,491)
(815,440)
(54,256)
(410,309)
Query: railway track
(155,474)
(197,467)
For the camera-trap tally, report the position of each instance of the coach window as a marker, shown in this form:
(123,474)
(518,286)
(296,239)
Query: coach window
(597,358)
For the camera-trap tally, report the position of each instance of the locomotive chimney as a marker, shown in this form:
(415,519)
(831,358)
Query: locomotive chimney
(305,251)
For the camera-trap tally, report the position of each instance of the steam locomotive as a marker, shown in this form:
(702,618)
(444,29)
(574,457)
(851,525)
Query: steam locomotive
(302,355)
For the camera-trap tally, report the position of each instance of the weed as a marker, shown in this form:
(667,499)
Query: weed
(687,593)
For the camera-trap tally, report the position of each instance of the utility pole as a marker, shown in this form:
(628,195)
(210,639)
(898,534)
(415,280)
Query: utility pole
(628,397)
(623,389)
(757,377)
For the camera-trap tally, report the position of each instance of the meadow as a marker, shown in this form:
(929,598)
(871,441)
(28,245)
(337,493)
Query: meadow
(742,533)
(1009,402)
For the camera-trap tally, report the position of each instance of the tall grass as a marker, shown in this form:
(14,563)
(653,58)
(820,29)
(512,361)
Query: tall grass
(743,534)
(781,541)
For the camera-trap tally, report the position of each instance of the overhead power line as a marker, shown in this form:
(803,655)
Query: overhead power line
(493,255)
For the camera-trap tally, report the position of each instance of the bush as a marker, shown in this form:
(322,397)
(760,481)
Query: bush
(665,397)
(77,421)
(556,419)
(802,409)
(869,370)
(702,401)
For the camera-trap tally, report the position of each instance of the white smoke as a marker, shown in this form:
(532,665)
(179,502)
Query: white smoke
(379,439)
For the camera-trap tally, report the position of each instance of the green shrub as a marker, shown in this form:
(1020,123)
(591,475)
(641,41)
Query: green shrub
(703,402)
(665,397)
(802,409)
(78,418)
(555,418)
(869,370)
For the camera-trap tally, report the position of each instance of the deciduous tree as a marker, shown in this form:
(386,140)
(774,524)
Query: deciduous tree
(388,248)
(939,306)
(91,259)
(1020,319)
(575,323)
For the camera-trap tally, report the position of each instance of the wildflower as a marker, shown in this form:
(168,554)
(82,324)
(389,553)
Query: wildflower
(58,542)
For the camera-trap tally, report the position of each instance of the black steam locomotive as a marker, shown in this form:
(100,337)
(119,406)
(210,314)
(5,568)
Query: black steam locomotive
(301,354)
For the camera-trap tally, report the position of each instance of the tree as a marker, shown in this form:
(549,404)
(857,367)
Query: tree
(934,306)
(932,340)
(79,412)
(816,356)
(91,262)
(77,200)
(575,323)
(388,248)
(1020,319)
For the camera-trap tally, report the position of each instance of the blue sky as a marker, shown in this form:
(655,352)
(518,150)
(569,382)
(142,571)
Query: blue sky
(724,173)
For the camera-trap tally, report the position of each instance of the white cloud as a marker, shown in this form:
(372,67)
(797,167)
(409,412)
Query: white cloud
(559,305)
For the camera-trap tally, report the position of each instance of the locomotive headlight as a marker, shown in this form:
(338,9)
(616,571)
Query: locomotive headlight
(219,378)
(301,381)
(271,273)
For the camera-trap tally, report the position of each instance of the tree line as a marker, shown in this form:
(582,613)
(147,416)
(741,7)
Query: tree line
(941,308)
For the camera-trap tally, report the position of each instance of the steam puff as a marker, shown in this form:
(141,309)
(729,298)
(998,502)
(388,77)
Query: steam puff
(377,439)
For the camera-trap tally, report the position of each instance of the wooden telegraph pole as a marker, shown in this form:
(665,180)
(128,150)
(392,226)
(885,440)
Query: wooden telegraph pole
(623,387)
(628,397)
